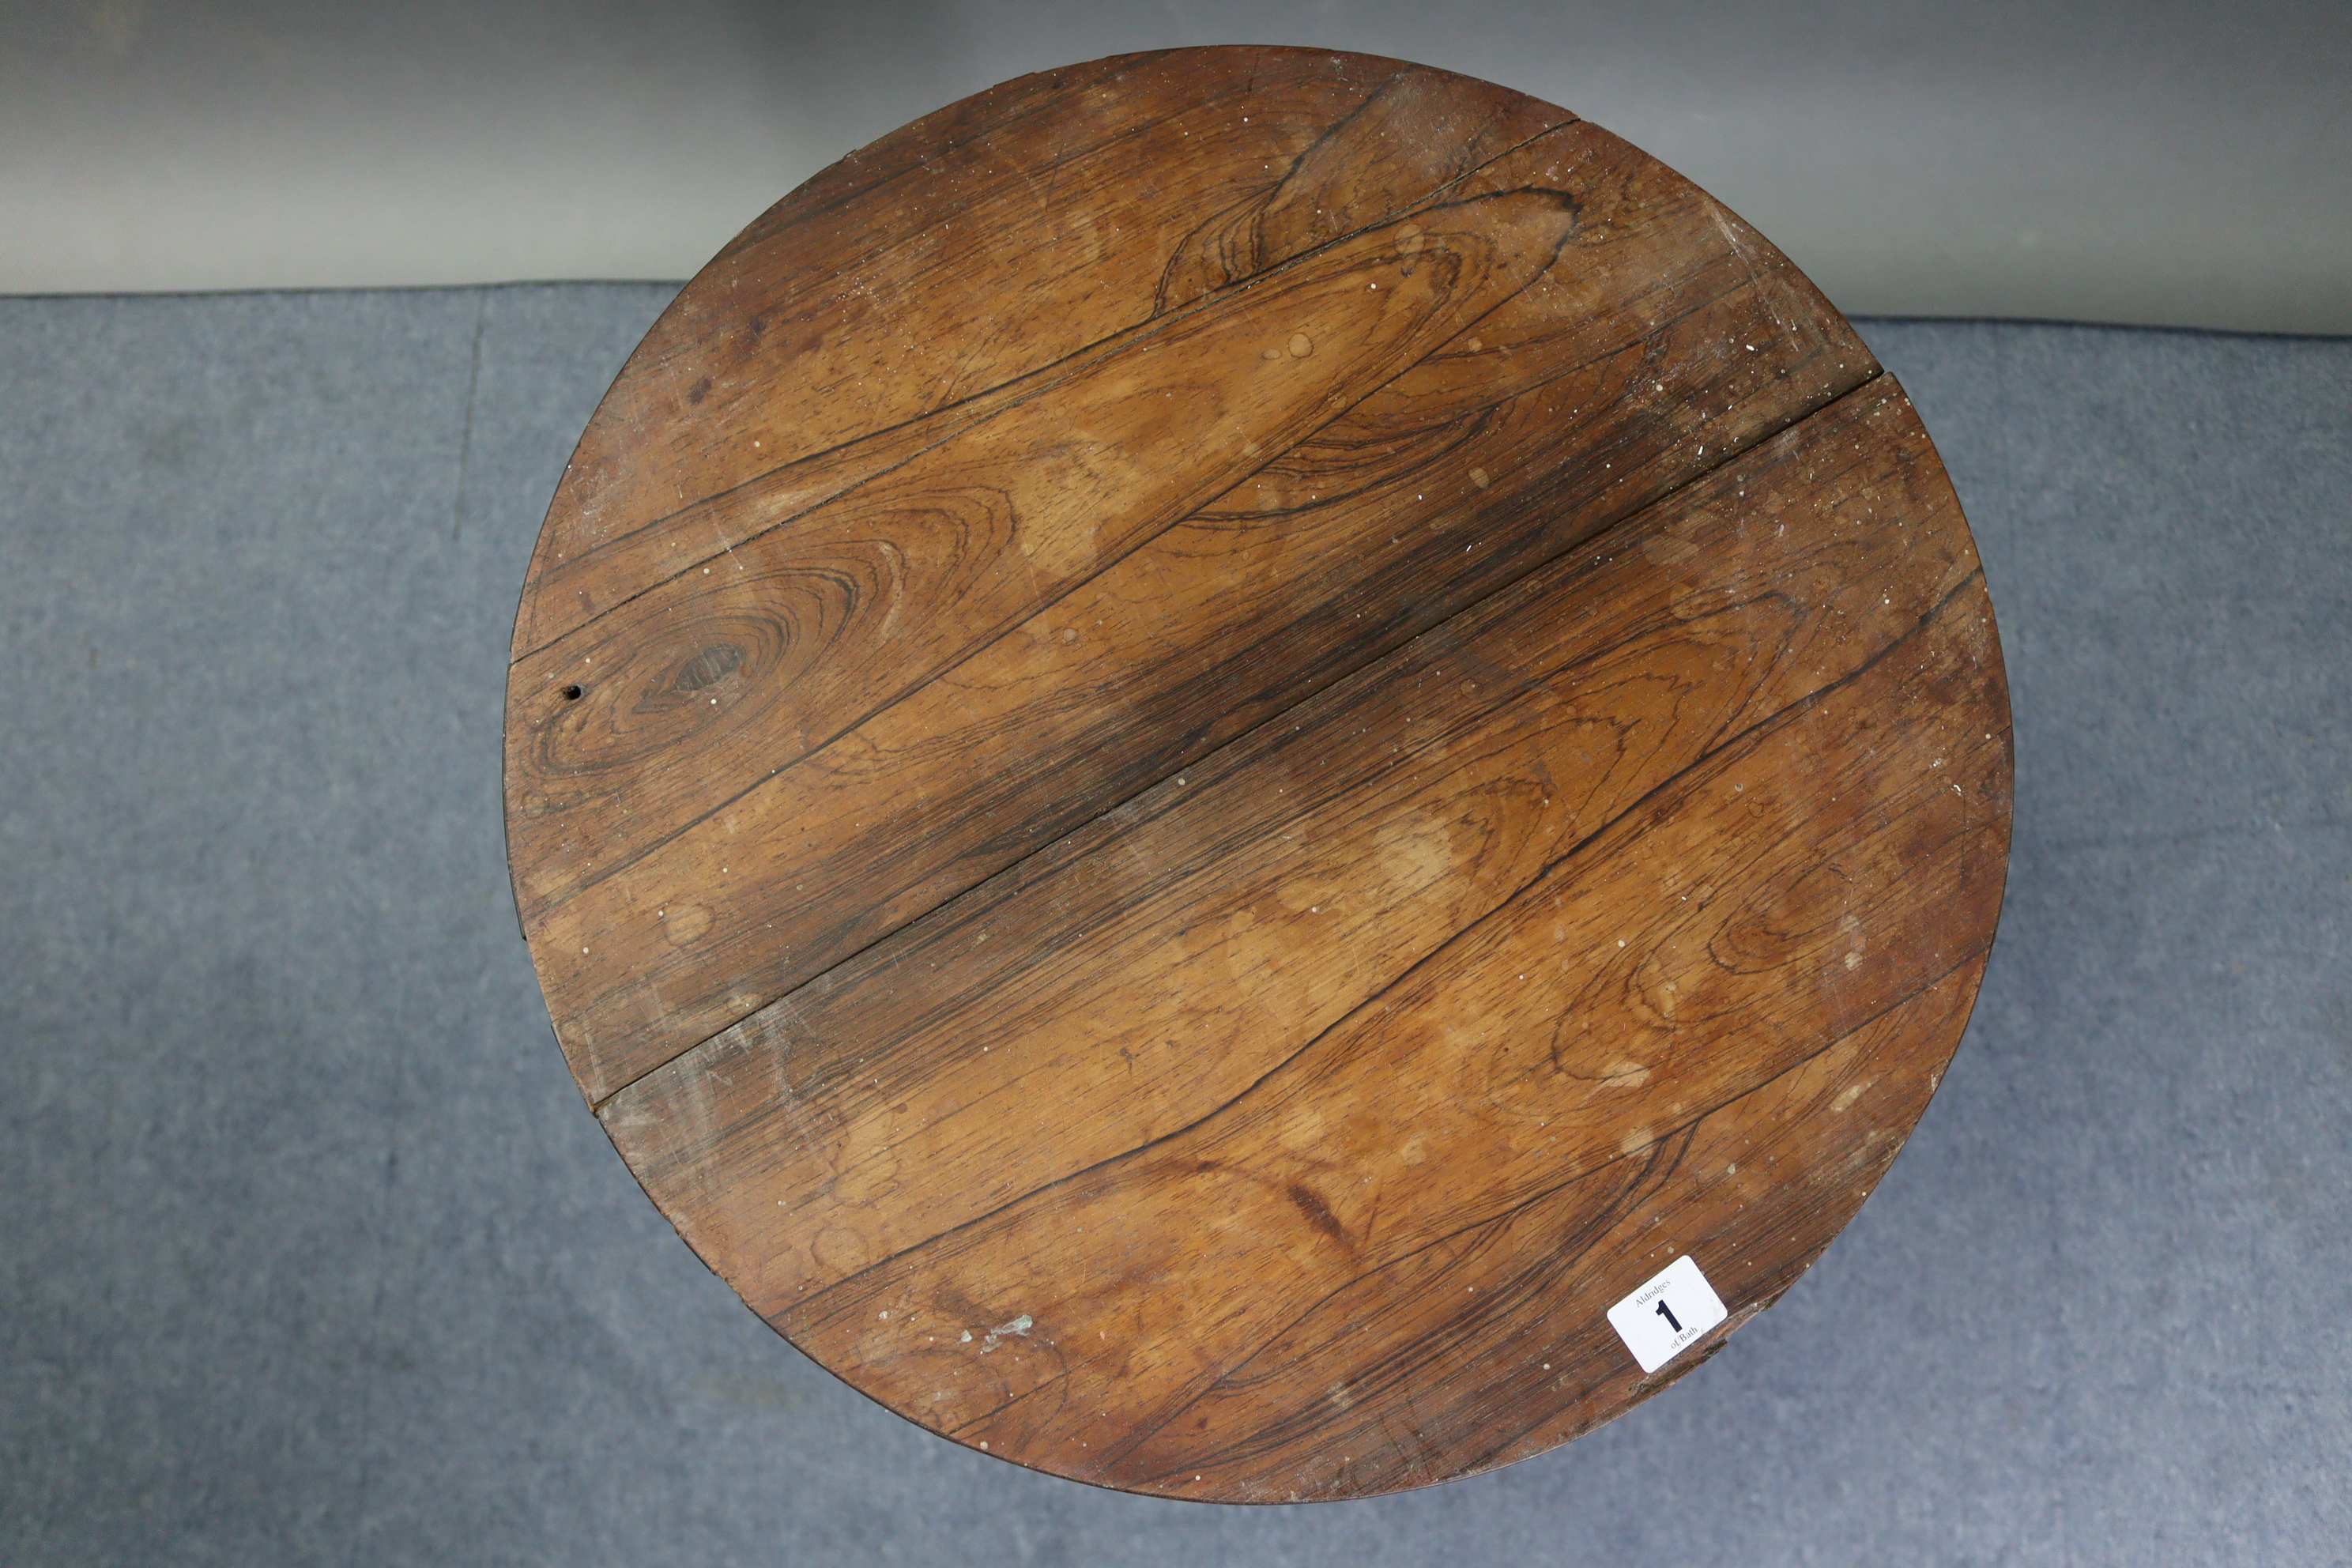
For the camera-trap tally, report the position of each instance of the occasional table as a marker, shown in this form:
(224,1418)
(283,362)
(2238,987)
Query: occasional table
(1255,775)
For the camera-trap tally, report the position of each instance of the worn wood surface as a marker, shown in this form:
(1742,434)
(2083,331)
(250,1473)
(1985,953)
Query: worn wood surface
(1200,750)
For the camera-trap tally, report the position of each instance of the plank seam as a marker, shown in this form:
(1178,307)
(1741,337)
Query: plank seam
(1014,867)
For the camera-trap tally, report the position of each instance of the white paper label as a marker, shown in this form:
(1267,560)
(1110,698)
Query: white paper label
(1659,1320)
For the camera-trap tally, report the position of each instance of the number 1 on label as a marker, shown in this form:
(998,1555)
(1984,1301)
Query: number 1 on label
(1656,1331)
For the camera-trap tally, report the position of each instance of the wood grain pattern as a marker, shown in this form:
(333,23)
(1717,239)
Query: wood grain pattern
(842,312)
(1186,886)
(1364,526)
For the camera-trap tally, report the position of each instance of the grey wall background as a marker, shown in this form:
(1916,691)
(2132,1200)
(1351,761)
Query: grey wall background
(2149,160)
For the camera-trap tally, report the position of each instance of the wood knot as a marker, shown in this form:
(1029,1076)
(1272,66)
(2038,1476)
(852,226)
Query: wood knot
(708,668)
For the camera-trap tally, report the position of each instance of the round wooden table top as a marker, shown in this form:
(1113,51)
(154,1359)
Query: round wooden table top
(1206,750)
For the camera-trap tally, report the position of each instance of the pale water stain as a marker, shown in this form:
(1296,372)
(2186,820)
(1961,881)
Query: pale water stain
(685,924)
(1018,1327)
(1850,1093)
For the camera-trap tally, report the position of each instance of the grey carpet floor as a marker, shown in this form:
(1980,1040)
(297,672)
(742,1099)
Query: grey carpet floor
(309,1254)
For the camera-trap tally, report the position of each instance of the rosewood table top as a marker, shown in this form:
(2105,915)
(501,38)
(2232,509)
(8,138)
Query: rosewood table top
(1203,751)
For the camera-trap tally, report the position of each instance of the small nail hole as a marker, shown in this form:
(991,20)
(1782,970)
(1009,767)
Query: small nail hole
(571,694)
